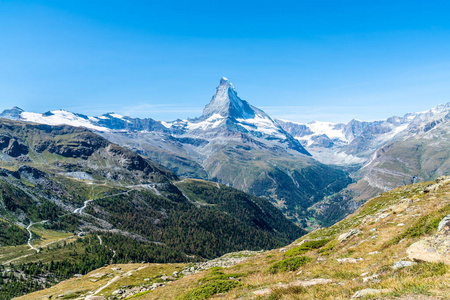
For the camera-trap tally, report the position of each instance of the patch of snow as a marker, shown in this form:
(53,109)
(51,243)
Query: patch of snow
(60,117)
(212,122)
(261,124)
(116,116)
(328,129)
(167,125)
(93,119)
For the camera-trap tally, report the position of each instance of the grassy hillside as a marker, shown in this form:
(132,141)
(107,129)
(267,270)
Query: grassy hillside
(354,257)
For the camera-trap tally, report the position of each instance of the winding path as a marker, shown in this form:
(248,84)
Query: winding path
(76,211)
(80,210)
(31,234)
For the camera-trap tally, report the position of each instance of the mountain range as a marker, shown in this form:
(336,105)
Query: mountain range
(316,173)
(233,143)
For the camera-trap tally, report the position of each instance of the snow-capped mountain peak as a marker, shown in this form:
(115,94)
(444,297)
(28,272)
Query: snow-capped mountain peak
(227,103)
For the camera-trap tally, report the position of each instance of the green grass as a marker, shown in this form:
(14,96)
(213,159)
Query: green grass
(138,294)
(346,275)
(424,226)
(305,247)
(278,293)
(216,274)
(424,270)
(290,264)
(209,289)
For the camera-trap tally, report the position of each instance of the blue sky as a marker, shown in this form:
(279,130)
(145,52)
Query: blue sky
(297,60)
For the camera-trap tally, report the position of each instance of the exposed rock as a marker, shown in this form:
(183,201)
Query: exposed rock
(403,264)
(401,206)
(349,260)
(15,149)
(227,260)
(368,278)
(263,292)
(118,292)
(306,283)
(382,216)
(97,275)
(303,283)
(94,298)
(435,248)
(369,292)
(4,141)
(345,236)
(430,188)
(444,222)
(434,186)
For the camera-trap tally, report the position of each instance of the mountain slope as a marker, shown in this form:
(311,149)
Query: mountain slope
(369,255)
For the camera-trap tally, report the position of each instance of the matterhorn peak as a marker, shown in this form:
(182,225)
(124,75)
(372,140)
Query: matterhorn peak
(226,103)
(225,82)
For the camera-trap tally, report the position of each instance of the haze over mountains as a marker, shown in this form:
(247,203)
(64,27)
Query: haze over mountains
(296,166)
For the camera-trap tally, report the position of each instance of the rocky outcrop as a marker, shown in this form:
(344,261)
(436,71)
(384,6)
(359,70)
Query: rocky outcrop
(12,147)
(435,248)
(345,236)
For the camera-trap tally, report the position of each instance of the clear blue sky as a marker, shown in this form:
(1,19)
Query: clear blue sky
(298,60)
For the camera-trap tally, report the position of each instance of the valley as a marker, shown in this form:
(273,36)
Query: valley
(115,191)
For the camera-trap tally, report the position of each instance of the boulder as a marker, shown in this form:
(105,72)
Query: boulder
(345,236)
(444,222)
(435,248)
(401,206)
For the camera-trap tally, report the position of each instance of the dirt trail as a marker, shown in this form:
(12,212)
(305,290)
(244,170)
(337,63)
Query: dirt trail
(31,234)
